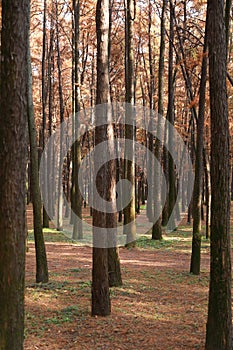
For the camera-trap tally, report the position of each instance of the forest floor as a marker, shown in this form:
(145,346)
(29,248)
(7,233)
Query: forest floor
(160,306)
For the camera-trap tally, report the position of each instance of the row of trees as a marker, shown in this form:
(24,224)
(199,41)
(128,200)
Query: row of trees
(75,74)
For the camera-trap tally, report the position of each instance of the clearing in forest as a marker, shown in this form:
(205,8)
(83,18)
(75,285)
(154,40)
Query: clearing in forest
(160,305)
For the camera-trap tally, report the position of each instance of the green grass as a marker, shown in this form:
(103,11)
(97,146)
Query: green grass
(68,314)
(51,235)
(177,240)
(167,242)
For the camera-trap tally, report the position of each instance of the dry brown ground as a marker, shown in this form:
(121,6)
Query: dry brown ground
(160,305)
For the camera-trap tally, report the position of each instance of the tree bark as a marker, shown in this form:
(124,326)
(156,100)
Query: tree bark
(157,228)
(61,107)
(104,177)
(219,334)
(44,99)
(77,196)
(197,191)
(41,259)
(129,210)
(13,154)
(170,117)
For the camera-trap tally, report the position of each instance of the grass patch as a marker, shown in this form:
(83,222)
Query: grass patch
(67,314)
(145,242)
(51,235)
(53,285)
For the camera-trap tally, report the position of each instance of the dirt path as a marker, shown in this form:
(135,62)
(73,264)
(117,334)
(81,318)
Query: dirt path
(160,306)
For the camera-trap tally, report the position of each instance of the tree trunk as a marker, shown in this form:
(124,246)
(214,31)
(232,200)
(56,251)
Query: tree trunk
(170,116)
(41,259)
(13,154)
(197,191)
(44,100)
(157,229)
(61,105)
(219,322)
(114,271)
(50,174)
(77,196)
(129,210)
(104,176)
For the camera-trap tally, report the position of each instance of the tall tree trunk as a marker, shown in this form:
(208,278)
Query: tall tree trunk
(61,105)
(77,196)
(219,334)
(41,259)
(151,92)
(104,177)
(157,229)
(114,270)
(129,210)
(170,117)
(13,154)
(50,156)
(198,181)
(44,100)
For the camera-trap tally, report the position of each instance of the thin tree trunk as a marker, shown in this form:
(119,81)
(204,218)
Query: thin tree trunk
(77,196)
(198,181)
(170,116)
(44,101)
(60,178)
(50,181)
(157,229)
(41,259)
(129,210)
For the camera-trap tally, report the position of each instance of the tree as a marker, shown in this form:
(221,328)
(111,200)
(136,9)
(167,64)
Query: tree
(41,259)
(219,334)
(44,98)
(13,151)
(197,191)
(104,176)
(61,107)
(76,193)
(114,269)
(170,117)
(157,229)
(129,210)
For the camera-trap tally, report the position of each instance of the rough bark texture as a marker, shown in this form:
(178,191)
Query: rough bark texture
(100,283)
(197,191)
(219,323)
(114,271)
(41,260)
(13,151)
